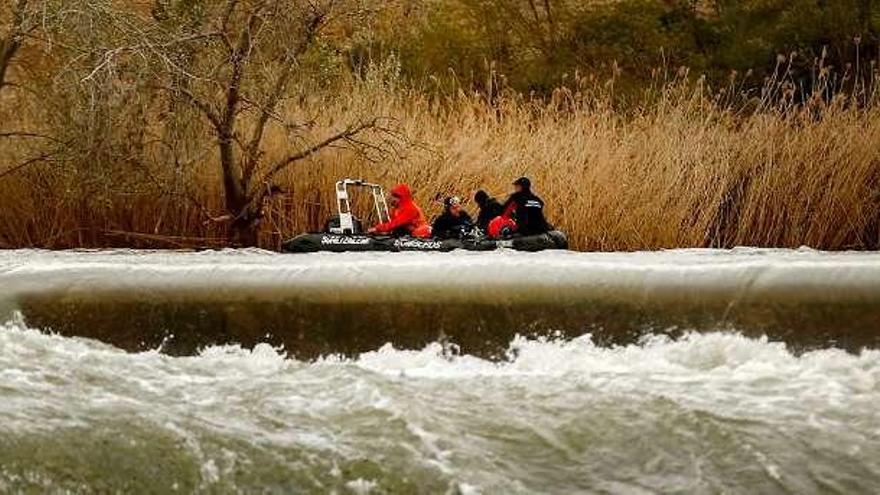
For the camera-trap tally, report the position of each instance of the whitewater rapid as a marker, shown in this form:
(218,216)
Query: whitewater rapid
(687,371)
(707,413)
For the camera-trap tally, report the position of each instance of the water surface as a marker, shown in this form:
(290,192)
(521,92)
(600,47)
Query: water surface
(744,371)
(708,413)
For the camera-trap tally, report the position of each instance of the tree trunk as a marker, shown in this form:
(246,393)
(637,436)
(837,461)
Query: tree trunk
(242,230)
(10,44)
(244,233)
(8,47)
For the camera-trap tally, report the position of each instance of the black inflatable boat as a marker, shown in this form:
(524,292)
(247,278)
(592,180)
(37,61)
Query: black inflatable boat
(344,232)
(338,243)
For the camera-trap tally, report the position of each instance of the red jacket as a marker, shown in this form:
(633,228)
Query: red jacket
(407,216)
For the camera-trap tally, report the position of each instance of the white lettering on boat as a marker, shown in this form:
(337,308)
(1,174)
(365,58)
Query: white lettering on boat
(416,244)
(345,240)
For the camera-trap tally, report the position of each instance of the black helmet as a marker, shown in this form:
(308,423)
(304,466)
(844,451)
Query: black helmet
(524,182)
(481,197)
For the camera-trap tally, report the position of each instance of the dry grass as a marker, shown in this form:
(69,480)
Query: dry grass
(683,171)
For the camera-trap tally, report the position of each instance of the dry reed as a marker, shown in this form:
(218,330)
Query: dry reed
(681,171)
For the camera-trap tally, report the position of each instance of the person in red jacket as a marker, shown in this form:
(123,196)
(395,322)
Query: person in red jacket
(406,216)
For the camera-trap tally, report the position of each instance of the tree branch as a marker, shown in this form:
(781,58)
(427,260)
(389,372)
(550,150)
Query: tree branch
(26,163)
(349,132)
(267,110)
(14,134)
(224,24)
(239,60)
(197,102)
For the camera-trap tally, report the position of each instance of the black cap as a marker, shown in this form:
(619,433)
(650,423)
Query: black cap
(481,196)
(524,182)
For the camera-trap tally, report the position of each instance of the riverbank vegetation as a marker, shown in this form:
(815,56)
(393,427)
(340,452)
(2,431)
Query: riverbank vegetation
(209,124)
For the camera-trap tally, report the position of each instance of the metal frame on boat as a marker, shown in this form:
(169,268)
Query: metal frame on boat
(347,220)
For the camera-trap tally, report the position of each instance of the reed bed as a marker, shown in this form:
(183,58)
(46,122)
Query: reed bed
(683,169)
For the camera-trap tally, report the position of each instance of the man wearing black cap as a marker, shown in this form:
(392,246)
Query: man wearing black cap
(454,223)
(526,209)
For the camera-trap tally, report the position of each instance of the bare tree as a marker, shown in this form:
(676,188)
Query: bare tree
(233,61)
(23,18)
(17,24)
(44,38)
(222,65)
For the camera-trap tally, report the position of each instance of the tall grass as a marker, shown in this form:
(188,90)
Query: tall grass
(685,169)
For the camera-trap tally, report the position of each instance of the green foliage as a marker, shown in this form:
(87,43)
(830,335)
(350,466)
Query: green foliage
(536,44)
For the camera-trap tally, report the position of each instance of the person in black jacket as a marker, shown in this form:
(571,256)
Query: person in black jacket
(526,209)
(454,223)
(489,209)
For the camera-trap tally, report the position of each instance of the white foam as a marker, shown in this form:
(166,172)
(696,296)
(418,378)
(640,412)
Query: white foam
(483,426)
(719,353)
(361,486)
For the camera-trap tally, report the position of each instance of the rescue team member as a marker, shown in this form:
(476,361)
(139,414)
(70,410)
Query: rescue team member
(489,209)
(523,213)
(406,216)
(454,223)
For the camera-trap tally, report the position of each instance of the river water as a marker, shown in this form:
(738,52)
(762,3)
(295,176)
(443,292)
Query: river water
(708,411)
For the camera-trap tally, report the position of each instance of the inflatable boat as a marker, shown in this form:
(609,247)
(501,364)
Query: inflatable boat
(339,243)
(344,233)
